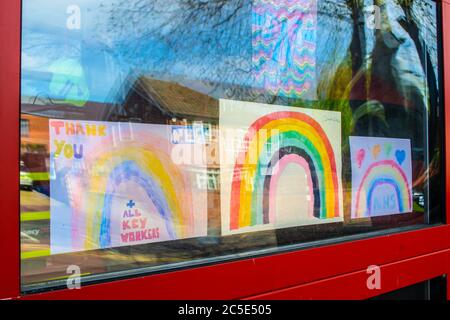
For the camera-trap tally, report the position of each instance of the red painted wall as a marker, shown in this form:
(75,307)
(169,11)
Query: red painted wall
(9,159)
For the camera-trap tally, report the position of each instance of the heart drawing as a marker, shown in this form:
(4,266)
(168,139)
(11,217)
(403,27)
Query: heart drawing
(360,157)
(376,151)
(388,148)
(400,155)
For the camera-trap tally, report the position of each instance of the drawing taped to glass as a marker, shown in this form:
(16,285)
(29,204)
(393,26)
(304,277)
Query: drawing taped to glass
(284,46)
(381,176)
(286,169)
(115,190)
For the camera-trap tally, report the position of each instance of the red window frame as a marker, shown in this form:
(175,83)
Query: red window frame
(330,272)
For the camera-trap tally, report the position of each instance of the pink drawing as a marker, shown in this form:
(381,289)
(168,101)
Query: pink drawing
(360,157)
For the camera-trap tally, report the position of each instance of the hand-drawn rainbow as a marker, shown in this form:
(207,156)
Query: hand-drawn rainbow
(284,37)
(272,142)
(150,169)
(123,187)
(385,172)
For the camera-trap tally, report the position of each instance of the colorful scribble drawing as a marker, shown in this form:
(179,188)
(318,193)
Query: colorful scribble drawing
(381,176)
(120,192)
(273,142)
(284,37)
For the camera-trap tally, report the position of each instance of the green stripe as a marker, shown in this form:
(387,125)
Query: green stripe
(417,208)
(35,216)
(35,254)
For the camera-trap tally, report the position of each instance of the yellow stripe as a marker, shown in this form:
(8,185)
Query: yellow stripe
(35,254)
(39,176)
(35,216)
(65,277)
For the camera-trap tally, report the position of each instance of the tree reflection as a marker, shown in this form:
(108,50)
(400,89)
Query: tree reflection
(211,40)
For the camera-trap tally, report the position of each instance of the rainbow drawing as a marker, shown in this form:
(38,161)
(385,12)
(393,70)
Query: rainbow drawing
(119,192)
(152,171)
(272,142)
(284,46)
(381,176)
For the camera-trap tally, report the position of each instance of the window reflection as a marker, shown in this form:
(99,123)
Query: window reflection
(160,75)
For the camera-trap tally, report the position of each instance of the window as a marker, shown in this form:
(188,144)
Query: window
(25,127)
(434,290)
(166,134)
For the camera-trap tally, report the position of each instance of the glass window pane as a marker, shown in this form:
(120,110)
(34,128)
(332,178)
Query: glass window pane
(162,134)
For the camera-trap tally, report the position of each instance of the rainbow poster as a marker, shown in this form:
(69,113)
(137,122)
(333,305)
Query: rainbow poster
(381,176)
(284,46)
(122,184)
(280,166)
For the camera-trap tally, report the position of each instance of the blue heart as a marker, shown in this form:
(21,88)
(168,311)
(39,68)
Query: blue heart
(400,155)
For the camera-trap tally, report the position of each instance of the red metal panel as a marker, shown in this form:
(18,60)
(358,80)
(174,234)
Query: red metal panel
(446,54)
(255,276)
(448,274)
(354,285)
(9,160)
(446,62)
(244,278)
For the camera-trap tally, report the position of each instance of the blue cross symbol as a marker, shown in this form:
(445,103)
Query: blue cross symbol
(131,204)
